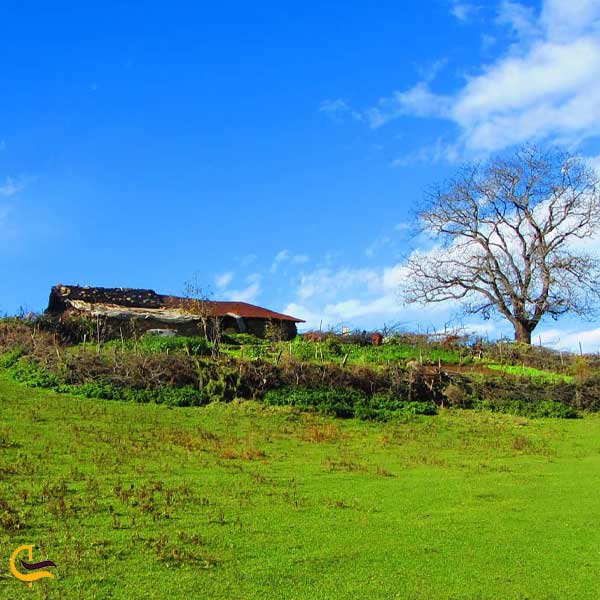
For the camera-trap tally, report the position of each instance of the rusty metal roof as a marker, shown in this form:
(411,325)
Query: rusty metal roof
(88,298)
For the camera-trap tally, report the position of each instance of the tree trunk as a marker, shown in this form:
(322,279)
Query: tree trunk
(522,332)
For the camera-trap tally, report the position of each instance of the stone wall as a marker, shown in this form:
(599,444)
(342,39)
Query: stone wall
(60,294)
(113,328)
(258,328)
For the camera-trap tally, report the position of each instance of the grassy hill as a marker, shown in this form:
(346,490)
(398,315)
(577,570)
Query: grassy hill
(241,500)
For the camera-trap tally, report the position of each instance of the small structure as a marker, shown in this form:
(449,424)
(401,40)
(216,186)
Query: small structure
(123,311)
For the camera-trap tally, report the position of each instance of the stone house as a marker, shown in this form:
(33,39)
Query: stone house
(124,311)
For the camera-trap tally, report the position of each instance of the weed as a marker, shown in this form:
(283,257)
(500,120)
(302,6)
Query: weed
(11,520)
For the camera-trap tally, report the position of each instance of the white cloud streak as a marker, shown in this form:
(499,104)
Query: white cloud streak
(222,281)
(463,11)
(285,256)
(338,109)
(11,187)
(247,294)
(546,85)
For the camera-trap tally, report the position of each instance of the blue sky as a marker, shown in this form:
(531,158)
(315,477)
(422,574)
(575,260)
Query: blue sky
(276,150)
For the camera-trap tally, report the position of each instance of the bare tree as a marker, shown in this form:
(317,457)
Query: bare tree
(512,237)
(199,303)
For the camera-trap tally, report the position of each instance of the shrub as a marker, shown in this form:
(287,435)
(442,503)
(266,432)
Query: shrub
(257,352)
(242,339)
(383,407)
(172,396)
(10,358)
(330,402)
(71,329)
(580,369)
(104,391)
(348,403)
(32,374)
(455,395)
(367,413)
(587,395)
(333,346)
(274,331)
(557,410)
(303,350)
(194,346)
(533,410)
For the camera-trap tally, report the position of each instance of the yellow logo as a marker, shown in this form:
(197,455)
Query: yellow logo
(29,577)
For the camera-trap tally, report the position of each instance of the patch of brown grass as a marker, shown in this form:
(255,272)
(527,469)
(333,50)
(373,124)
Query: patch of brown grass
(250,453)
(344,464)
(320,433)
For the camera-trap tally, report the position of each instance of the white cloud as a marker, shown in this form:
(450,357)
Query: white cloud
(313,318)
(247,294)
(595,163)
(360,297)
(546,85)
(418,101)
(521,19)
(356,309)
(569,339)
(552,91)
(222,281)
(248,259)
(338,109)
(377,244)
(280,257)
(463,11)
(254,278)
(432,153)
(300,259)
(284,256)
(564,19)
(327,283)
(11,187)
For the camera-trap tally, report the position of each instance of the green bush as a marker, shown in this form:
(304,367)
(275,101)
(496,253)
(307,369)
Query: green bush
(383,407)
(32,374)
(172,396)
(557,410)
(331,402)
(103,391)
(242,339)
(195,346)
(532,410)
(10,359)
(183,396)
(71,329)
(348,403)
(257,352)
(303,350)
(456,395)
(333,346)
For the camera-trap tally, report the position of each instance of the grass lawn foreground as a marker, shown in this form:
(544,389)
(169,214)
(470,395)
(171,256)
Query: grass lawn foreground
(242,501)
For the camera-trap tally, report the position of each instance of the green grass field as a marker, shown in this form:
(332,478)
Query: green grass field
(240,501)
(532,373)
